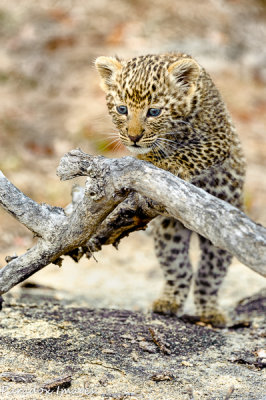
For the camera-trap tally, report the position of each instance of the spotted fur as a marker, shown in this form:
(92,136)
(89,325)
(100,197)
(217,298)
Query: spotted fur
(194,138)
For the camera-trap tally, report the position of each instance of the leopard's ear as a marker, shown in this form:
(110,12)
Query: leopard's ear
(184,73)
(107,68)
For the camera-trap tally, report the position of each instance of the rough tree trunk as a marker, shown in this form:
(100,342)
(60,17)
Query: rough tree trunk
(107,199)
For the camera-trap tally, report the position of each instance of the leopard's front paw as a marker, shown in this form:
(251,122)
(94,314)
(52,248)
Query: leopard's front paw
(165,306)
(216,318)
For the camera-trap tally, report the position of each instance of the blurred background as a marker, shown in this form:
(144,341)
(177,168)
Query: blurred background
(50,102)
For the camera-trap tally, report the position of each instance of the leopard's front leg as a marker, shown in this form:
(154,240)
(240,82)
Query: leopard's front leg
(172,249)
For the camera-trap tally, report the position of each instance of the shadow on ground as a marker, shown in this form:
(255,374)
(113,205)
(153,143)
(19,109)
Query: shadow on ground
(121,354)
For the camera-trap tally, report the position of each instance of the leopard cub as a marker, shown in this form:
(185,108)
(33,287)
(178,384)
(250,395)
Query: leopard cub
(168,111)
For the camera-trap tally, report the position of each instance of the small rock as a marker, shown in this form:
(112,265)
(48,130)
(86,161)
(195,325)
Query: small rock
(261,353)
(146,346)
(186,364)
(103,381)
(108,351)
(127,336)
(134,356)
(261,361)
(162,377)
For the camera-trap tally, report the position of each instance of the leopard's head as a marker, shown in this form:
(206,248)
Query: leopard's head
(148,96)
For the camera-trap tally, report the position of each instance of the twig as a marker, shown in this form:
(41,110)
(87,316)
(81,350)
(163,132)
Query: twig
(230,391)
(98,362)
(158,340)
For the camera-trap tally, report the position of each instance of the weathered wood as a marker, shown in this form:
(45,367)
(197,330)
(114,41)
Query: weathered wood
(86,226)
(224,225)
(133,214)
(58,233)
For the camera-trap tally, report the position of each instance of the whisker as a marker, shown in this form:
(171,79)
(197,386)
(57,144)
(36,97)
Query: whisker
(169,143)
(103,137)
(166,140)
(117,146)
(112,136)
(117,141)
(156,152)
(104,133)
(163,150)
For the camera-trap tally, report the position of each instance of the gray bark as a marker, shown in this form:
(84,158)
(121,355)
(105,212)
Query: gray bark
(109,183)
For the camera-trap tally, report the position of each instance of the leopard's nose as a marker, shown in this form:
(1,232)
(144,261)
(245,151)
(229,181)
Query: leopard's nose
(135,138)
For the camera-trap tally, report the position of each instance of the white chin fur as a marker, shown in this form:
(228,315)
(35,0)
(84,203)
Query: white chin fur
(139,150)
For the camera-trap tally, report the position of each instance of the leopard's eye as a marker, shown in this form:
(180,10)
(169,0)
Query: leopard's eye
(154,112)
(122,110)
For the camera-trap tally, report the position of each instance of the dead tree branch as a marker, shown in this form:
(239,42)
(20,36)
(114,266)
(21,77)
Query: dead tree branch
(226,226)
(126,194)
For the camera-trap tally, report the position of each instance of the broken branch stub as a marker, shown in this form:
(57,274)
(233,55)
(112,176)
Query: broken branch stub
(153,191)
